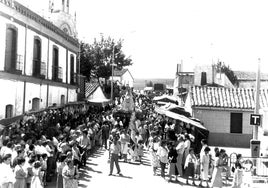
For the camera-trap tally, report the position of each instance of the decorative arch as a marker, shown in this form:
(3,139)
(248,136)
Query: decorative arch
(9,111)
(11,47)
(66,28)
(35,104)
(62,100)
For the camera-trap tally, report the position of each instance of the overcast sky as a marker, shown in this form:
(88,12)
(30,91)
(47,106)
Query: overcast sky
(158,34)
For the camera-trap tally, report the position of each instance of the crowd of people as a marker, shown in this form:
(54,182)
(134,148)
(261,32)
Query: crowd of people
(57,142)
(54,142)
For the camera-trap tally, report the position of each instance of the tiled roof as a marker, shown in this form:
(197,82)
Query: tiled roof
(242,75)
(90,88)
(221,97)
(119,72)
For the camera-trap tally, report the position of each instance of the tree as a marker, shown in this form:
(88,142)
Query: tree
(96,59)
(221,67)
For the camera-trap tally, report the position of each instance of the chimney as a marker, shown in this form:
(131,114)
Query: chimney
(203,78)
(213,73)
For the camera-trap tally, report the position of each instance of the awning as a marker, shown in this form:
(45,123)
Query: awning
(184,119)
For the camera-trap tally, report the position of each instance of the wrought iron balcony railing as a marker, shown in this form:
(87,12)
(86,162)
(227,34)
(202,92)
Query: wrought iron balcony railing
(15,65)
(39,69)
(73,78)
(57,73)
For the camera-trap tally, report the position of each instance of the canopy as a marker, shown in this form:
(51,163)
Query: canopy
(184,119)
(99,100)
(173,108)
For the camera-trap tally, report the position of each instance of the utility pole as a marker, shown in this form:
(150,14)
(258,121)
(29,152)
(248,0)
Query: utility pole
(255,143)
(257,100)
(112,83)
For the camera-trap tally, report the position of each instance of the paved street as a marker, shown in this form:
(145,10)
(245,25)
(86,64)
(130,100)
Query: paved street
(134,175)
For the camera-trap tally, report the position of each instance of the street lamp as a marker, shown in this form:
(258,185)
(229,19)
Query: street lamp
(112,82)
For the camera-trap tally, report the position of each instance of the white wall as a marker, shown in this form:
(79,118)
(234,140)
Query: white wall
(11,93)
(218,121)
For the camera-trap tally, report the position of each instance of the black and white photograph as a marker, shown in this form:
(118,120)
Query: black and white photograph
(133,93)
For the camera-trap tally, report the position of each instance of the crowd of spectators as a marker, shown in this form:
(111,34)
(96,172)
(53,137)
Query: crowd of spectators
(57,142)
(53,142)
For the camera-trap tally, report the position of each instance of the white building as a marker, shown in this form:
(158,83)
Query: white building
(124,77)
(37,59)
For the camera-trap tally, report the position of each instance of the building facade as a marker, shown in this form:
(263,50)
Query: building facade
(225,112)
(248,79)
(38,61)
(124,77)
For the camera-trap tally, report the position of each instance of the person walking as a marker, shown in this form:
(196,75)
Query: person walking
(190,166)
(162,153)
(115,149)
(204,166)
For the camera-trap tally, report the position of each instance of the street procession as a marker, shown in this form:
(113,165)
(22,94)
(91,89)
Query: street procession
(119,94)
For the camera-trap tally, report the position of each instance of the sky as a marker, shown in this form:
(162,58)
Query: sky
(159,34)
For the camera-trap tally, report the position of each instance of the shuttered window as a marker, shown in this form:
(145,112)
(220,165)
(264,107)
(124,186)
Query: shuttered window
(11,47)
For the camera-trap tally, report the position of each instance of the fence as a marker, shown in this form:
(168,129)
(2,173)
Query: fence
(260,164)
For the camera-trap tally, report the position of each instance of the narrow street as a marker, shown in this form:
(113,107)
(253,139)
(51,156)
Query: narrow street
(95,174)
(133,174)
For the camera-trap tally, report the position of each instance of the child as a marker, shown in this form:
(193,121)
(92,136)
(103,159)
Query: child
(129,153)
(30,173)
(36,180)
(247,173)
(135,152)
(190,165)
(60,166)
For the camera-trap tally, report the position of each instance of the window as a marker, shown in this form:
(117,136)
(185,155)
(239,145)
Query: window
(55,63)
(35,104)
(37,57)
(11,48)
(236,123)
(9,111)
(72,77)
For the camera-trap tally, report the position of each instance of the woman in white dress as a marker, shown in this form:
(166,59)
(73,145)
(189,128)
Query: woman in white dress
(36,181)
(204,162)
(216,180)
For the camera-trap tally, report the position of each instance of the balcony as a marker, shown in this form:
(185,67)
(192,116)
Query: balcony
(57,73)
(39,69)
(73,78)
(15,65)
